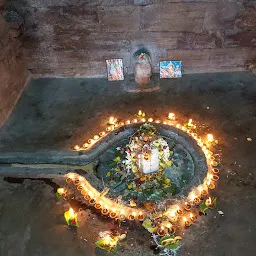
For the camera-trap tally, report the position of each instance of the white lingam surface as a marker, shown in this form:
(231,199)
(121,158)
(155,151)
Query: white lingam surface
(150,165)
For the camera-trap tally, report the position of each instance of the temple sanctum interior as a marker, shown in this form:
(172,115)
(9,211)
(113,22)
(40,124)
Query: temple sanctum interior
(127,127)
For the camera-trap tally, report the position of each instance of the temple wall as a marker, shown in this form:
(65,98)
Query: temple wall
(73,38)
(13,71)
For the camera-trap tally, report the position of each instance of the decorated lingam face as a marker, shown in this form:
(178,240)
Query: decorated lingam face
(142,69)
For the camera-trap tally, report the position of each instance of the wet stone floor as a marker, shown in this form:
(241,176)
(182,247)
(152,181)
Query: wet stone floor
(56,114)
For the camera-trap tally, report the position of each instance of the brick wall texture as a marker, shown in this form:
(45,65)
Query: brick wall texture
(13,71)
(72,38)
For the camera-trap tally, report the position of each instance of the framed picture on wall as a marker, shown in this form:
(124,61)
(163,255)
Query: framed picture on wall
(170,69)
(115,69)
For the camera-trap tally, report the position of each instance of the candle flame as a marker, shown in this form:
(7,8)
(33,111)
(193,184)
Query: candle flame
(185,219)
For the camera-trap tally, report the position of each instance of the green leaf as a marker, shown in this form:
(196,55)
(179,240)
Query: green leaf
(100,244)
(203,207)
(170,246)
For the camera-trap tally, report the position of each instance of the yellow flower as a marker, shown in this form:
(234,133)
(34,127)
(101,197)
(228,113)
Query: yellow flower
(167,181)
(130,186)
(108,174)
(143,178)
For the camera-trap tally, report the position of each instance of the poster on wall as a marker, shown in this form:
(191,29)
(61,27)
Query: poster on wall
(170,69)
(115,69)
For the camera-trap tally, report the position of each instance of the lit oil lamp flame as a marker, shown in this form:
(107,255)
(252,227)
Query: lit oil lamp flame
(171,116)
(76,147)
(112,120)
(209,137)
(72,213)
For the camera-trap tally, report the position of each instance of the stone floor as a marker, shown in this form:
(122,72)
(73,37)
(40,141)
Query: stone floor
(55,114)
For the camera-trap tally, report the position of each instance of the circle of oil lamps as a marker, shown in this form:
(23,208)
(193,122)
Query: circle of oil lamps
(105,211)
(79,187)
(96,137)
(143,120)
(157,121)
(215,171)
(113,214)
(76,182)
(150,120)
(127,122)
(186,222)
(90,141)
(76,147)
(203,192)
(162,231)
(122,124)
(214,163)
(97,206)
(141,217)
(122,216)
(165,122)
(215,178)
(131,216)
(135,120)
(108,129)
(210,185)
(171,116)
(187,206)
(92,201)
(196,201)
(192,217)
(173,217)
(87,197)
(179,211)
(83,192)
(101,134)
(86,145)
(68,179)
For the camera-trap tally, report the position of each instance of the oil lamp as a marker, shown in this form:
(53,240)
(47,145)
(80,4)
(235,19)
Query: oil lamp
(86,145)
(71,217)
(192,217)
(101,134)
(162,231)
(186,222)
(97,206)
(76,147)
(105,211)
(112,120)
(187,206)
(113,214)
(171,116)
